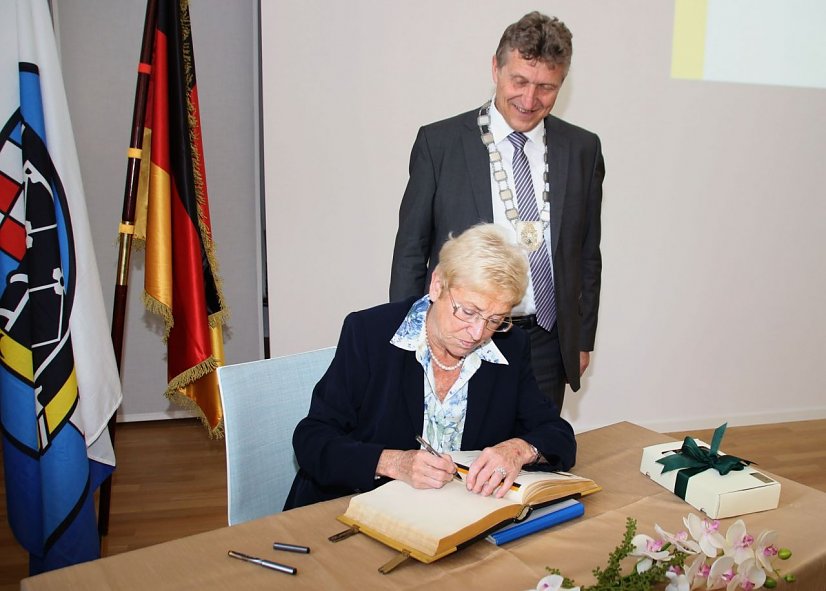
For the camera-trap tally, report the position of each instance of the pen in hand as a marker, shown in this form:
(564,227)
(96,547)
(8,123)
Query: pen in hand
(430,450)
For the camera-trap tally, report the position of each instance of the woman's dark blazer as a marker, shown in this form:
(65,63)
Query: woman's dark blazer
(372,398)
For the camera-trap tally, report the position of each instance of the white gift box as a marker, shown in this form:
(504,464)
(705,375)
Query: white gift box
(737,493)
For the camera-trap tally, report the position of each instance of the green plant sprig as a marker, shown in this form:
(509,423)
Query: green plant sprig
(611,578)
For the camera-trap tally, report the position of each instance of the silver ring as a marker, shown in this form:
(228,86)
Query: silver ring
(502,471)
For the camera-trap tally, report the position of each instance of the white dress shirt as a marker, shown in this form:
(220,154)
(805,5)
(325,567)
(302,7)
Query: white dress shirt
(535,151)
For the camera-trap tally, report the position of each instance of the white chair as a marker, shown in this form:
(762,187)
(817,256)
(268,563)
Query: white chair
(263,401)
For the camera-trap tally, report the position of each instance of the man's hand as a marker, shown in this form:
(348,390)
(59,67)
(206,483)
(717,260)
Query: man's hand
(584,360)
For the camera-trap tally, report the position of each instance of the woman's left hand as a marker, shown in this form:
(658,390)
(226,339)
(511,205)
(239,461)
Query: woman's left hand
(497,467)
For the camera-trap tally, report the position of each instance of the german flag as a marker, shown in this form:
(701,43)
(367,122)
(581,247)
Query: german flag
(172,217)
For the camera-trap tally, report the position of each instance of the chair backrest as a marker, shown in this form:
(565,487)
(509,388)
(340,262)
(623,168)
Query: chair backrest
(263,401)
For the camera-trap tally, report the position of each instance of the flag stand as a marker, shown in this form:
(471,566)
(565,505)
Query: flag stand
(126,228)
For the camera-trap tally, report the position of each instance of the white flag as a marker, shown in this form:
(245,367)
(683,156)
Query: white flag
(59,384)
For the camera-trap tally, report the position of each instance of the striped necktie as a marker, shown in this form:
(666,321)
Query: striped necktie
(540,263)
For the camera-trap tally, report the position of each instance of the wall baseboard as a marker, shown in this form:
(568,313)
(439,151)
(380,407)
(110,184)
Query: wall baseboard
(155,416)
(712,422)
(664,426)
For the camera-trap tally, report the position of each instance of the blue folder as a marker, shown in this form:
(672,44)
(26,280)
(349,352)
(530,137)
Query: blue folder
(539,519)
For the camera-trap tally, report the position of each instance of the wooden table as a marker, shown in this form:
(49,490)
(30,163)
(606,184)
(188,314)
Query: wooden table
(610,455)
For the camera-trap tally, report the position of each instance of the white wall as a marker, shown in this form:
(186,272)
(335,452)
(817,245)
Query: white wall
(713,216)
(714,211)
(100,46)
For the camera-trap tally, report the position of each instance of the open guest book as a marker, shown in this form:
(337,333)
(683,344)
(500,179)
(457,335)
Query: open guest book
(429,524)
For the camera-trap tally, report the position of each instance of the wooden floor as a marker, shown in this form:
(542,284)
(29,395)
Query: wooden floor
(171,480)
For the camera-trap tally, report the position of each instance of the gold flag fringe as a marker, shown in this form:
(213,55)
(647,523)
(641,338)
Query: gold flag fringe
(175,394)
(186,403)
(195,141)
(158,308)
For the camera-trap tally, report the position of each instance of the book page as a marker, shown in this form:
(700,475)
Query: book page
(536,486)
(422,519)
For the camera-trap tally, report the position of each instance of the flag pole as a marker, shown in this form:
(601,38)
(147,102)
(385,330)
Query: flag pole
(127,225)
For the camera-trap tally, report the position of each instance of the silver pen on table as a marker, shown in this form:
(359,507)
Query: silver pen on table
(429,449)
(290,547)
(282,568)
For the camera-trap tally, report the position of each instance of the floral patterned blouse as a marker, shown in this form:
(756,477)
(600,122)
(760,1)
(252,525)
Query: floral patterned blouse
(444,421)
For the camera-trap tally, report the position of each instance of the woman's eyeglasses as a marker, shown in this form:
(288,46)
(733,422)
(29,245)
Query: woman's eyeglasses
(493,323)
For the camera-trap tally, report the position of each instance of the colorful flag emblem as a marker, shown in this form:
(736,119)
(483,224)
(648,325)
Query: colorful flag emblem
(59,383)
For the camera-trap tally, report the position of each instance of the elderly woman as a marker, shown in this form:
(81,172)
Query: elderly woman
(447,367)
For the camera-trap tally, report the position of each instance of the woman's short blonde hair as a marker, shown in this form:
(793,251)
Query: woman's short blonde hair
(483,259)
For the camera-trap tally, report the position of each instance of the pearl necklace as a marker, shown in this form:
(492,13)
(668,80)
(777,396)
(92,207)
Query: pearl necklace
(433,358)
(527,231)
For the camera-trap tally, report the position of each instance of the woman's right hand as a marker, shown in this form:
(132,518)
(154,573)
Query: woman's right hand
(417,468)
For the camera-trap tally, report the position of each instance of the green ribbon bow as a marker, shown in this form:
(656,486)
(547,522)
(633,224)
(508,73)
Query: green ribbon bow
(692,459)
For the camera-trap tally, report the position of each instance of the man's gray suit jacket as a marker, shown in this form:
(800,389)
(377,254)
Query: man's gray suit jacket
(449,190)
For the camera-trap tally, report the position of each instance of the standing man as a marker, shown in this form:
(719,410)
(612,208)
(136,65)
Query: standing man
(512,163)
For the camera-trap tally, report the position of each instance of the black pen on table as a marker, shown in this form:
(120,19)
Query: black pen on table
(429,449)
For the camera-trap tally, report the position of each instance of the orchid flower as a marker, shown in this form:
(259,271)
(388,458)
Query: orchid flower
(765,550)
(697,572)
(749,576)
(677,582)
(706,534)
(721,573)
(553,583)
(679,540)
(739,543)
(649,549)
